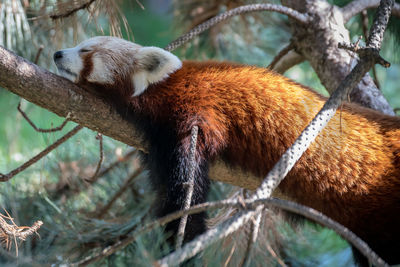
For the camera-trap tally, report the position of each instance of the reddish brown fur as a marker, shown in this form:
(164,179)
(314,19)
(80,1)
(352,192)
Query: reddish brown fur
(252,115)
(249,116)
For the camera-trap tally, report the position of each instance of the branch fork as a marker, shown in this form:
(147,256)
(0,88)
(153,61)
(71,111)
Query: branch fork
(365,52)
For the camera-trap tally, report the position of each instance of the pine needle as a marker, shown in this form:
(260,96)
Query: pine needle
(10,232)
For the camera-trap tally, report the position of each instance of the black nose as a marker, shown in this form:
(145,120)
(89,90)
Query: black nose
(58,55)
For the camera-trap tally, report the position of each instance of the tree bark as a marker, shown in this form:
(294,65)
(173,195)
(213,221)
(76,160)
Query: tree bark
(318,43)
(61,96)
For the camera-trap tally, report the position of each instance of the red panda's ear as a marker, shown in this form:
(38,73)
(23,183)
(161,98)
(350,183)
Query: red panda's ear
(153,65)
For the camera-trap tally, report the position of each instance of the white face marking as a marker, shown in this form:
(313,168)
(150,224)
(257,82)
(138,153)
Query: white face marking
(70,64)
(109,59)
(100,72)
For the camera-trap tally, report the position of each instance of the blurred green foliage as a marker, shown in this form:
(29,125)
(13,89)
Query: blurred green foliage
(54,191)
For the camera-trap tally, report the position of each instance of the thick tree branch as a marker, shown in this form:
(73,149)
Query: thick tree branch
(357,6)
(61,96)
(318,43)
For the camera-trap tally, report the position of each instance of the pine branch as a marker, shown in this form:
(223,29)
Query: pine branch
(10,232)
(248,207)
(234,223)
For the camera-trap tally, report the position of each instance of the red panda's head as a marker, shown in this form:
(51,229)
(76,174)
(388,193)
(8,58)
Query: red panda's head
(106,60)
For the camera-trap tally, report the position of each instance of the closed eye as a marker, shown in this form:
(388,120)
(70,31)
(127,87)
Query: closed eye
(83,50)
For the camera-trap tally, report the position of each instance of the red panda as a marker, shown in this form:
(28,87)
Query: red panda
(247,116)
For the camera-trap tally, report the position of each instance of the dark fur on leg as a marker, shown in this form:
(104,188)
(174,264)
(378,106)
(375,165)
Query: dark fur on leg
(168,163)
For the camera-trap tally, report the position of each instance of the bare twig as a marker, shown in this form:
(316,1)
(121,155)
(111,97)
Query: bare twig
(140,4)
(47,150)
(59,128)
(228,259)
(119,193)
(103,172)
(72,11)
(357,6)
(287,49)
(292,58)
(189,185)
(255,226)
(301,18)
(364,23)
(105,252)
(39,52)
(275,256)
(120,159)
(99,137)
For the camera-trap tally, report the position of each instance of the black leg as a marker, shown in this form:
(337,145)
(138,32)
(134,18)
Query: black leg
(169,171)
